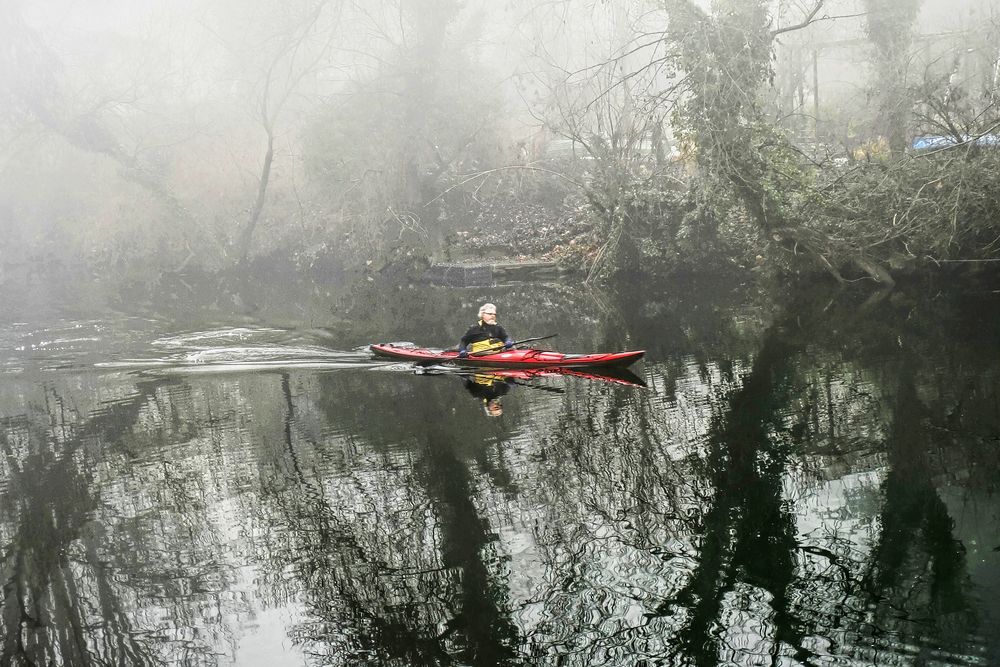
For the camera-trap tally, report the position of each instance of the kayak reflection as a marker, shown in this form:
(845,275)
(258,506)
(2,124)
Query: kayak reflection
(609,374)
(490,385)
(488,388)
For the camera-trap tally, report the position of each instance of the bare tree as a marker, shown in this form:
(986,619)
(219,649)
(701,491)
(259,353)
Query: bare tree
(35,93)
(291,57)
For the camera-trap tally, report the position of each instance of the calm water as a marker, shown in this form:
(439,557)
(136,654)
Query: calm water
(809,483)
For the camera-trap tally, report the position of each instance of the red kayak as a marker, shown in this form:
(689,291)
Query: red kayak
(508,359)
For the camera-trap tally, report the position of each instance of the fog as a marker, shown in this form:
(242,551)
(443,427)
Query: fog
(145,136)
(211,209)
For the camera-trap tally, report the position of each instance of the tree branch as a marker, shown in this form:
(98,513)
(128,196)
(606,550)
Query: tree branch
(487,172)
(798,26)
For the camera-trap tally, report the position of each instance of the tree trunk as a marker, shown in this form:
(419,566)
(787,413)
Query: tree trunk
(246,238)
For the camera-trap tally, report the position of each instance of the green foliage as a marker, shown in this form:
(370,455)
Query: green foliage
(727,57)
(685,231)
(854,218)
(890,26)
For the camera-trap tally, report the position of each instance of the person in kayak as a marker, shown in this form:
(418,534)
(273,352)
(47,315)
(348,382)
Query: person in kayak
(486,334)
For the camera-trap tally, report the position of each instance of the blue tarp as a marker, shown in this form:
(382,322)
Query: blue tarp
(942,141)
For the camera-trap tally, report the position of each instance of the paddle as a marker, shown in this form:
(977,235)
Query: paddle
(431,362)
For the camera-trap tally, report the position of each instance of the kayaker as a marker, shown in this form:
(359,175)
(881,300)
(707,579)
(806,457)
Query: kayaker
(486,334)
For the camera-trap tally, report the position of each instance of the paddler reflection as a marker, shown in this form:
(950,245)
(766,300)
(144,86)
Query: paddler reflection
(488,388)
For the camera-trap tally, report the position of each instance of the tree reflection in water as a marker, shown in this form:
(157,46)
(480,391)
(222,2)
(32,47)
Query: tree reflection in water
(788,493)
(394,554)
(93,571)
(716,562)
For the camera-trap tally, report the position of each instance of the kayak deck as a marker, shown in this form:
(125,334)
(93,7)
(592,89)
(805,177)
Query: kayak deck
(529,358)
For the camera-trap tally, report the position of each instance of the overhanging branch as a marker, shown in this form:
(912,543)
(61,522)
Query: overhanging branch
(805,22)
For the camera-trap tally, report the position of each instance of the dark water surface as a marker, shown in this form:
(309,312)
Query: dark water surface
(808,483)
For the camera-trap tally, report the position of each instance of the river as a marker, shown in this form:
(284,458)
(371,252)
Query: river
(804,482)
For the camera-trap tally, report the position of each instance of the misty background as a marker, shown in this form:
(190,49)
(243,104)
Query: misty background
(152,137)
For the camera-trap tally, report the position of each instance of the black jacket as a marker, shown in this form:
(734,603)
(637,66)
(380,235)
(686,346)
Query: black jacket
(482,331)
(487,390)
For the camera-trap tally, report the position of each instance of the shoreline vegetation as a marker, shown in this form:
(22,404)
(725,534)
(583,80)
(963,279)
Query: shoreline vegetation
(698,146)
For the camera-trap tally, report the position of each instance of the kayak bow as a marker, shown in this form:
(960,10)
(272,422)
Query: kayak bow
(508,358)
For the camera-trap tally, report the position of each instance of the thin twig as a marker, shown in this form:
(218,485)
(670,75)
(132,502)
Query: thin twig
(487,172)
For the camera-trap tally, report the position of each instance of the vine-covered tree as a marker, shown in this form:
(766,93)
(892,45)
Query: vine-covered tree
(890,28)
